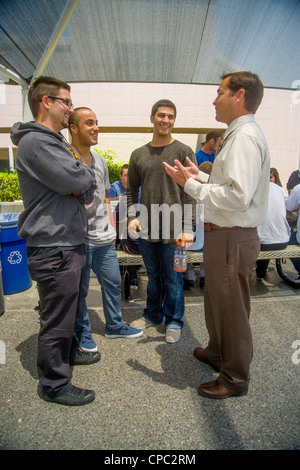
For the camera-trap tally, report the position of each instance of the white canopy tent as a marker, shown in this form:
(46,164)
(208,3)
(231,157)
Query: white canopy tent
(154,41)
(163,41)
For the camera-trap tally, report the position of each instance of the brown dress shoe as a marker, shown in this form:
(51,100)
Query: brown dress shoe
(214,389)
(200,355)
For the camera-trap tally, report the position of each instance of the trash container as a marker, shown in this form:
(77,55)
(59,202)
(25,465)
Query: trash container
(2,301)
(15,274)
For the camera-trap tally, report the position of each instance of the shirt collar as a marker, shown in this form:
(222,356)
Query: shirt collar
(238,122)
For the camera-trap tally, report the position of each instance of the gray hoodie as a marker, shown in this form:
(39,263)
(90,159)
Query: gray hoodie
(54,187)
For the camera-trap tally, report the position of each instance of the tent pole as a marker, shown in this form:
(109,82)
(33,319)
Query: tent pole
(61,26)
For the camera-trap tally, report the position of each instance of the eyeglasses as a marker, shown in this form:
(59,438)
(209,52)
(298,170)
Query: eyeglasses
(67,102)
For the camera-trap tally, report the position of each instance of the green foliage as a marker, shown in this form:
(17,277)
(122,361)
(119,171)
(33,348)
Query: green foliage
(9,187)
(9,183)
(114,167)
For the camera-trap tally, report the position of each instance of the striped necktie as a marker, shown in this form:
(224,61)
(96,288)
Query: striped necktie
(221,144)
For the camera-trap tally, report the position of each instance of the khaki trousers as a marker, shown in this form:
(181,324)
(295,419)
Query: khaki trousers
(229,259)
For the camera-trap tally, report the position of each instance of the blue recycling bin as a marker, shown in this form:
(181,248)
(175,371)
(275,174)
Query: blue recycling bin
(15,274)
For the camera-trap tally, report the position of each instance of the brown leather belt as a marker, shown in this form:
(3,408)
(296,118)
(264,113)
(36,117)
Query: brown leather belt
(211,227)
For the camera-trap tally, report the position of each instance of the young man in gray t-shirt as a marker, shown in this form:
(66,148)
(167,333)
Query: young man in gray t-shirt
(100,248)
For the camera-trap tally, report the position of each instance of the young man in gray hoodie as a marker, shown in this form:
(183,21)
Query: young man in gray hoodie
(54,187)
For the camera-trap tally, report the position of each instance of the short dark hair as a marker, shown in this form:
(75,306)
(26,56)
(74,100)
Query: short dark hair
(206,167)
(213,135)
(251,83)
(123,167)
(44,86)
(73,118)
(293,180)
(161,103)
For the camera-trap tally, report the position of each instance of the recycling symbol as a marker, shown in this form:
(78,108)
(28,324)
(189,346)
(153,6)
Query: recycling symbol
(15,257)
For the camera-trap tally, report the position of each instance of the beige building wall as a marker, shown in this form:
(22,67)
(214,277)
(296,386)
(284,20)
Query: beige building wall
(129,104)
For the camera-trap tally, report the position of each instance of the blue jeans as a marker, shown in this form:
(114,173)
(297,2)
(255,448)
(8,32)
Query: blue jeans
(165,298)
(104,263)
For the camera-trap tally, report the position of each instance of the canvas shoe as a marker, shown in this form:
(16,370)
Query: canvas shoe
(88,345)
(86,342)
(173,335)
(125,331)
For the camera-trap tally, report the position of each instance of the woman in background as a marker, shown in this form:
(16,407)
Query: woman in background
(274,176)
(275,233)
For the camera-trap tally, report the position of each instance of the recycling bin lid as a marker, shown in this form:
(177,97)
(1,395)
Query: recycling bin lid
(9,219)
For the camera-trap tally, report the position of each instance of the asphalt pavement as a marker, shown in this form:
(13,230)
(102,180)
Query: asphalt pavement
(146,389)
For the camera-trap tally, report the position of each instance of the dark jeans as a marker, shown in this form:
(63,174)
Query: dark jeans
(295,261)
(58,280)
(262,264)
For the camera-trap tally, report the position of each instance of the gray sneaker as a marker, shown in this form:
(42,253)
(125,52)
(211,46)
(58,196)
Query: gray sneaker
(126,331)
(173,335)
(142,323)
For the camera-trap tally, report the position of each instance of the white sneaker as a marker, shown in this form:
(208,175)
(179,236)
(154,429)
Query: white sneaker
(173,335)
(93,349)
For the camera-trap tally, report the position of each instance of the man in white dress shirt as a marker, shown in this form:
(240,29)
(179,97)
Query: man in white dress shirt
(235,203)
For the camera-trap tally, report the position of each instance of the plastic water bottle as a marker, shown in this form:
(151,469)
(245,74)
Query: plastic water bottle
(180,259)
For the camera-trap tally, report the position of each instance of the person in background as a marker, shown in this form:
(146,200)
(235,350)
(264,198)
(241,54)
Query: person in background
(118,188)
(209,148)
(292,216)
(124,242)
(206,167)
(274,233)
(189,276)
(294,180)
(292,203)
(235,202)
(274,176)
(157,233)
(100,247)
(54,186)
